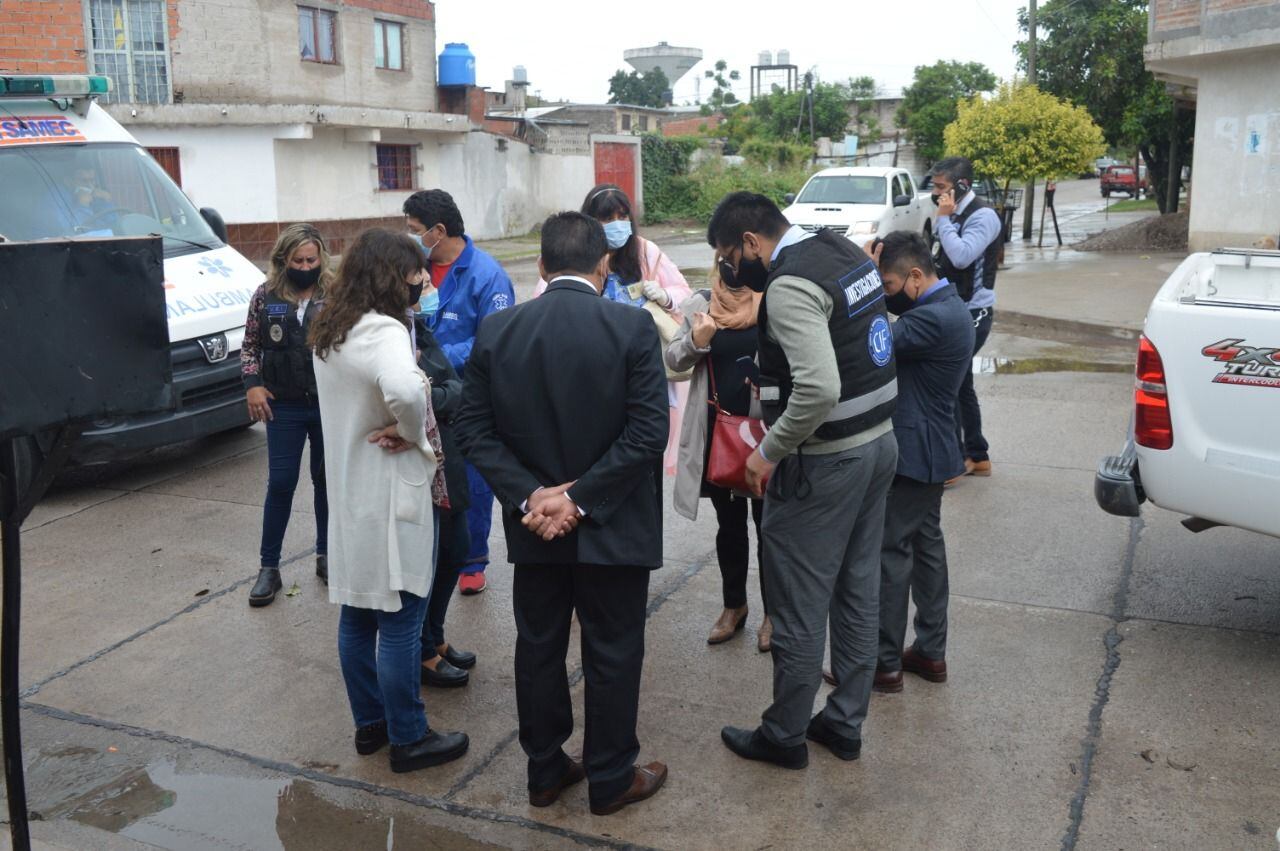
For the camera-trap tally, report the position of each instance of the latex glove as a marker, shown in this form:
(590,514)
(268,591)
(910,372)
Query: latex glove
(655,293)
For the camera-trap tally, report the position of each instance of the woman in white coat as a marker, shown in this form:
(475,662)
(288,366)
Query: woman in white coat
(382,470)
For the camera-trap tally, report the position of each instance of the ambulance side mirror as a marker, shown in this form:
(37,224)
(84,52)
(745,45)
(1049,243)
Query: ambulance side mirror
(215,221)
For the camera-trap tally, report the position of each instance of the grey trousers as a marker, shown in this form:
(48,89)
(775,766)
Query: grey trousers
(823,524)
(913,560)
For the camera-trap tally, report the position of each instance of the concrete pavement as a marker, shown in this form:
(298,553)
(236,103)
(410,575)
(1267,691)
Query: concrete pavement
(1112,682)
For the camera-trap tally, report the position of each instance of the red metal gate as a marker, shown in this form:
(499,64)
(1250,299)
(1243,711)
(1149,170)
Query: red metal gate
(616,163)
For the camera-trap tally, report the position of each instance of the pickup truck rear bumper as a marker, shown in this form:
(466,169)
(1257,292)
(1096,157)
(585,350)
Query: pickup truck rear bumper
(1117,487)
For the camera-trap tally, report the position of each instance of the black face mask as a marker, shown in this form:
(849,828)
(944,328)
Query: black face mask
(898,303)
(934,198)
(415,295)
(303,279)
(752,274)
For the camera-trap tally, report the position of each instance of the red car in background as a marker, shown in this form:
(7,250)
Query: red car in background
(1120,178)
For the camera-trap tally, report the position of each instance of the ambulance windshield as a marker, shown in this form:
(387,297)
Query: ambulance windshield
(61,191)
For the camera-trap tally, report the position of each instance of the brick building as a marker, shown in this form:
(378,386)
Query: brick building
(274,111)
(1225,56)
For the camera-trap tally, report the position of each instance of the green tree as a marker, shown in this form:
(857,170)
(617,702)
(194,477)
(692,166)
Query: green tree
(929,103)
(785,115)
(638,89)
(862,107)
(1023,133)
(722,95)
(1091,54)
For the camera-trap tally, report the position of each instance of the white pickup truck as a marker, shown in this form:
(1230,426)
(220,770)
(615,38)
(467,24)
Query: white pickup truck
(861,203)
(1206,398)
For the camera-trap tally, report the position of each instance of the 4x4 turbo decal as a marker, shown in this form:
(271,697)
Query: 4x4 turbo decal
(1250,365)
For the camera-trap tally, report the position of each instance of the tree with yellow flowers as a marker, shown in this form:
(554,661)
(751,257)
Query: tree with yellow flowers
(1023,133)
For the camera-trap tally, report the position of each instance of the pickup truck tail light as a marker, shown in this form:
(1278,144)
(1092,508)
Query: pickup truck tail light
(1153,427)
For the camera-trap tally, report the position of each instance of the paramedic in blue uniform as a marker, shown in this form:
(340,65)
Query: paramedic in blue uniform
(467,285)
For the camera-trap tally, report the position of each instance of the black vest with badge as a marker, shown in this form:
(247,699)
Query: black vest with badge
(963,279)
(859,329)
(286,358)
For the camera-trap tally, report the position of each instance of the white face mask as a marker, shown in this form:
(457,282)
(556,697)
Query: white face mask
(617,233)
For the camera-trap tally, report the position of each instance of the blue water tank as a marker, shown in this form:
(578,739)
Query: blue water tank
(457,66)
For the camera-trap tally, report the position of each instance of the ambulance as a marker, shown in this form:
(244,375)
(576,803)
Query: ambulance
(68,170)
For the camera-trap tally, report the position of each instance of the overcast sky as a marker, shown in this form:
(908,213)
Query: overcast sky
(572,47)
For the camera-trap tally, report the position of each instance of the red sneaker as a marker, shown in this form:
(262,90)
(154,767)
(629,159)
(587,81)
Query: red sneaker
(472,583)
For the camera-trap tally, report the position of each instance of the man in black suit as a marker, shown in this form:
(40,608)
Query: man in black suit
(564,413)
(933,344)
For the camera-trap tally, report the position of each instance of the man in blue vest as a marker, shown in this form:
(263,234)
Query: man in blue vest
(969,235)
(467,285)
(827,388)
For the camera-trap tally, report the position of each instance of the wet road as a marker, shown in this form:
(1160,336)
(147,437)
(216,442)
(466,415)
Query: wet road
(1113,683)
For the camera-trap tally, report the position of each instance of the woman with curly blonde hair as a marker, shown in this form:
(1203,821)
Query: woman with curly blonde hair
(280,388)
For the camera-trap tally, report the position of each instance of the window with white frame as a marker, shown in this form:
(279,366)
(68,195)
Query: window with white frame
(317,35)
(388,45)
(129,42)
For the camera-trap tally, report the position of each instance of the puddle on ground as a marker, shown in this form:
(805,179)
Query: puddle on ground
(160,805)
(1027,366)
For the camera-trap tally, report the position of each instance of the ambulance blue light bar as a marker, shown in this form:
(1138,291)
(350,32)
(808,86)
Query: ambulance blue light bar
(55,86)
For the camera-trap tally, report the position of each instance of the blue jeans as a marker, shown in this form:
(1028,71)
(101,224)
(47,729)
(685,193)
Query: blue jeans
(380,660)
(479,522)
(968,413)
(452,542)
(291,425)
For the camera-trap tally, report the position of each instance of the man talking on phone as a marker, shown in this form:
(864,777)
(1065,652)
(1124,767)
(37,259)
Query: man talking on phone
(969,248)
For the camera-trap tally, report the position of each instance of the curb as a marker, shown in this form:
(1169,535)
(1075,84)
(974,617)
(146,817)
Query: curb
(1074,326)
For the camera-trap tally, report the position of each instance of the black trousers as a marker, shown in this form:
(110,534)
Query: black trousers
(733,544)
(913,561)
(454,540)
(611,603)
(968,411)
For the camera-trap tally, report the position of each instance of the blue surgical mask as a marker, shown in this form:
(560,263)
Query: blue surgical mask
(617,233)
(430,303)
(426,249)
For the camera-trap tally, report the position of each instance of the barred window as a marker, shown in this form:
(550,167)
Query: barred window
(169,161)
(388,45)
(395,167)
(129,43)
(317,35)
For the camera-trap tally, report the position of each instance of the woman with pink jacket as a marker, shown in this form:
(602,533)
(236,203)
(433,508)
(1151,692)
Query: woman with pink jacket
(639,272)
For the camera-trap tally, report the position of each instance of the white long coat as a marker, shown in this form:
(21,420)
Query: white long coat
(381,523)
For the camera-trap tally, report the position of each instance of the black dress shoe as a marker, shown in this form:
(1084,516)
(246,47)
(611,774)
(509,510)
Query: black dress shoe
(370,739)
(322,568)
(845,748)
(444,676)
(460,658)
(432,749)
(751,744)
(264,590)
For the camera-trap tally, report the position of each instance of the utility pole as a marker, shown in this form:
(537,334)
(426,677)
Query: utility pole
(1029,202)
(808,84)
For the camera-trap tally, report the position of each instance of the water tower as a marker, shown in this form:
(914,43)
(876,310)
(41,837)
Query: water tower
(674,62)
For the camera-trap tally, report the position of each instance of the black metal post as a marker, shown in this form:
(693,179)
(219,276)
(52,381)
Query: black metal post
(10,630)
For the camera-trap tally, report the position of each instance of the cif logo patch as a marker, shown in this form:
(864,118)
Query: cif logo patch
(880,341)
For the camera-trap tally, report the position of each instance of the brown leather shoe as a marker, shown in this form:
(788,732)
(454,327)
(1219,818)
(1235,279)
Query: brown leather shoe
(727,625)
(982,469)
(647,782)
(764,638)
(935,671)
(575,773)
(887,682)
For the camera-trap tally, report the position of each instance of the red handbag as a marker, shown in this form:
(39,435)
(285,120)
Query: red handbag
(733,439)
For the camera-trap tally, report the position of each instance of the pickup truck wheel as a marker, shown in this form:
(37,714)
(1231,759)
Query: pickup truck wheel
(1106,193)
(29,457)
(927,233)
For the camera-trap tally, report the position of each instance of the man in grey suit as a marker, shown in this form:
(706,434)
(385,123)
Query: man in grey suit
(933,345)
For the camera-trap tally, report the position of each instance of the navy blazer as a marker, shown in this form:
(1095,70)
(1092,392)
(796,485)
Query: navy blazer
(933,346)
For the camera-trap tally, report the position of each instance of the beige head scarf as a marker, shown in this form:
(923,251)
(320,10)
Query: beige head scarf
(732,308)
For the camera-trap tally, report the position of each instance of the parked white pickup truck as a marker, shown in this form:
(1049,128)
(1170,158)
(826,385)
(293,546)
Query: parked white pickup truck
(860,203)
(1206,398)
